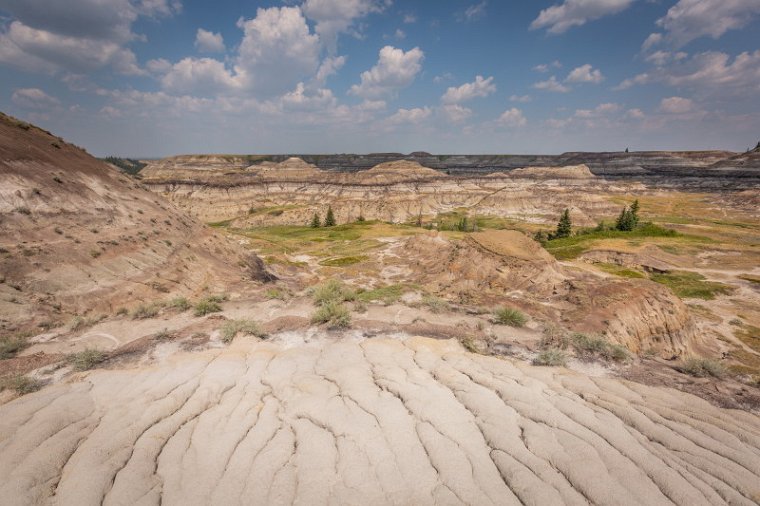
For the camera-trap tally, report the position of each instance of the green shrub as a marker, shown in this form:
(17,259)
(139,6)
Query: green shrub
(87,359)
(703,367)
(206,306)
(690,285)
(276,293)
(552,357)
(21,384)
(144,311)
(388,294)
(509,316)
(232,328)
(332,291)
(10,346)
(590,347)
(163,335)
(343,261)
(333,313)
(181,304)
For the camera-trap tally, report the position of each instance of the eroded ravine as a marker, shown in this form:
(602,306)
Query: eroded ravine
(375,421)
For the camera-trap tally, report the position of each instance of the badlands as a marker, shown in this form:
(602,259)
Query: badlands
(378,329)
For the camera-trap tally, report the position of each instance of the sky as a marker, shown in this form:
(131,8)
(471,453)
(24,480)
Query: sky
(153,78)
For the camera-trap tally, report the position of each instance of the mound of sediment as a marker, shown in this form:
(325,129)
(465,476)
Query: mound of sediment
(290,169)
(79,237)
(378,421)
(398,171)
(568,172)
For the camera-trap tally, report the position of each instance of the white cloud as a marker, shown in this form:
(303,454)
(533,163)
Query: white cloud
(551,84)
(329,67)
(413,116)
(545,67)
(158,66)
(334,17)
(676,105)
(598,111)
(560,18)
(692,19)
(585,74)
(634,114)
(110,112)
(558,123)
(651,41)
(201,76)
(456,113)
(399,34)
(33,98)
(633,81)
(479,88)
(522,99)
(512,118)
(447,76)
(474,11)
(209,42)
(300,100)
(395,69)
(660,58)
(409,19)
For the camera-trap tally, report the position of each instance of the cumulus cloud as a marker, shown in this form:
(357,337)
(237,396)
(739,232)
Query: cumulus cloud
(513,117)
(545,67)
(209,42)
(77,35)
(676,105)
(333,17)
(201,76)
(691,19)
(551,84)
(395,69)
(585,74)
(598,111)
(633,81)
(651,41)
(560,18)
(520,98)
(413,116)
(478,88)
(474,11)
(456,113)
(329,67)
(34,98)
(634,114)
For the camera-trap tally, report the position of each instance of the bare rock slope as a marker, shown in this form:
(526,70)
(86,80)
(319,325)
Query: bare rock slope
(378,421)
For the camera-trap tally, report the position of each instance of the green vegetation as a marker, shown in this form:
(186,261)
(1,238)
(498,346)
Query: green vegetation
(435,304)
(127,165)
(564,226)
(332,290)
(691,285)
(588,347)
(552,357)
(329,217)
(619,270)
(702,368)
(276,293)
(87,359)
(21,384)
(207,305)
(181,304)
(509,316)
(144,311)
(343,261)
(628,219)
(232,328)
(335,314)
(387,294)
(315,221)
(11,345)
(749,335)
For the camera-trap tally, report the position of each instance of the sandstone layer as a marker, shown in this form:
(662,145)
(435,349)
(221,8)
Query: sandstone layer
(371,422)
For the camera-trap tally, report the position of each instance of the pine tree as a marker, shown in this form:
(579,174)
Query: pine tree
(329,218)
(635,212)
(625,221)
(315,223)
(564,226)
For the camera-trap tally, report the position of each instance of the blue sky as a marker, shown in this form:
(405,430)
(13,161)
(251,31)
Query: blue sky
(153,78)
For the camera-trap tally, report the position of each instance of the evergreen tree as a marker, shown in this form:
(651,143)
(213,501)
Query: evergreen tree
(315,222)
(625,221)
(564,226)
(360,219)
(635,212)
(329,218)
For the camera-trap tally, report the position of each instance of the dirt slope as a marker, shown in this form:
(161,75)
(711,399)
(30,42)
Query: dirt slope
(79,237)
(371,422)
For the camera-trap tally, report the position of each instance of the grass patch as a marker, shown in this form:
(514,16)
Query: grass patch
(87,359)
(220,224)
(333,313)
(509,316)
(435,304)
(619,270)
(232,328)
(691,285)
(387,294)
(21,384)
(552,357)
(276,293)
(589,347)
(702,368)
(181,304)
(343,261)
(144,311)
(11,345)
(749,335)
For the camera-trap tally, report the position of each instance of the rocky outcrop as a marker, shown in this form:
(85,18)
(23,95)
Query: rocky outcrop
(569,172)
(377,421)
